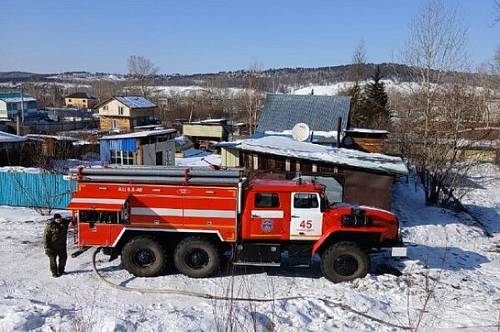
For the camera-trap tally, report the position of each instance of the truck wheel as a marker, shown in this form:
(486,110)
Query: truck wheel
(344,261)
(196,257)
(143,256)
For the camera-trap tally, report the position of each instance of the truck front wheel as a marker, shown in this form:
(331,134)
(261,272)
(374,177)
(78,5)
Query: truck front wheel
(344,261)
(143,256)
(196,257)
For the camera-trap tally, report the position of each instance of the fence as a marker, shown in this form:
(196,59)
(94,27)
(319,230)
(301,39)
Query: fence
(47,191)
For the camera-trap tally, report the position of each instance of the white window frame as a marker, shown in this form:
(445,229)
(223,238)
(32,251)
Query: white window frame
(122,157)
(255,159)
(120,110)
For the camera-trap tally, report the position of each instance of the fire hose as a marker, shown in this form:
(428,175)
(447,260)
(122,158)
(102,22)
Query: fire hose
(229,298)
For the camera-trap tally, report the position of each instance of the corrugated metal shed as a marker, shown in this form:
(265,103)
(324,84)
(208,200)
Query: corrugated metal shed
(35,190)
(282,112)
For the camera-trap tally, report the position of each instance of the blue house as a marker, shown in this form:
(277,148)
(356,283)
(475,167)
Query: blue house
(152,147)
(10,105)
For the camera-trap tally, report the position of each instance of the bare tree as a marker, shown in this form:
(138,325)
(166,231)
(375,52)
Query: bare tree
(497,6)
(252,97)
(357,70)
(356,74)
(441,105)
(142,71)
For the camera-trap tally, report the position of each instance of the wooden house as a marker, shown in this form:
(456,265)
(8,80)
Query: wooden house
(80,100)
(368,140)
(124,113)
(364,178)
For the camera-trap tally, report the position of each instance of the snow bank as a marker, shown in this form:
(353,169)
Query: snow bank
(449,258)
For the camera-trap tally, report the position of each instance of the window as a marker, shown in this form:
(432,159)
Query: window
(255,159)
(127,158)
(122,157)
(305,201)
(113,124)
(115,157)
(120,110)
(267,200)
(69,100)
(105,107)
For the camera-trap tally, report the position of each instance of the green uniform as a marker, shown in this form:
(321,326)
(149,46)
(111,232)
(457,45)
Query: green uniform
(54,242)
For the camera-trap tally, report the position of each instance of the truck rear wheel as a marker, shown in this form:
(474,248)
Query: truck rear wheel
(143,256)
(196,257)
(344,261)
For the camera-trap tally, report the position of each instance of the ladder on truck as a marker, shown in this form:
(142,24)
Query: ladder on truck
(172,175)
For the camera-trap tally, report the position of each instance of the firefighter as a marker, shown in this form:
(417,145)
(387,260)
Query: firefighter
(54,242)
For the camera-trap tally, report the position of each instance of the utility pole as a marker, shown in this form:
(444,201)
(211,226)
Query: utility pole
(22,104)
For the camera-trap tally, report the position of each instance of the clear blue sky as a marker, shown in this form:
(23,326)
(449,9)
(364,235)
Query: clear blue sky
(187,36)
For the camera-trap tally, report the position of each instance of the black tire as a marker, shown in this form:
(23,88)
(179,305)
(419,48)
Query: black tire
(344,261)
(197,257)
(143,256)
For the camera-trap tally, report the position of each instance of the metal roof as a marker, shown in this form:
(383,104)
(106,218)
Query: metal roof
(80,95)
(140,134)
(15,97)
(135,101)
(10,138)
(321,113)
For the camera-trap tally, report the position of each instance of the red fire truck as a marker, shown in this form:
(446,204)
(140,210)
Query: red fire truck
(195,217)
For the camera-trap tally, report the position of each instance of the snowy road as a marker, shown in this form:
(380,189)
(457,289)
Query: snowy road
(451,280)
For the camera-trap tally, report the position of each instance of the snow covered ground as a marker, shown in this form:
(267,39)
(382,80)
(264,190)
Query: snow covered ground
(451,280)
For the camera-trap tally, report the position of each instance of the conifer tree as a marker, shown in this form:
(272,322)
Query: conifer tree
(376,106)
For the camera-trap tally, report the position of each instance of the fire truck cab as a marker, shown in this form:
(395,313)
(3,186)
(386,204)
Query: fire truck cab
(196,218)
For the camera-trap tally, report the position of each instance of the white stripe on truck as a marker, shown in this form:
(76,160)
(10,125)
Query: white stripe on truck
(267,213)
(98,200)
(185,213)
(210,213)
(156,212)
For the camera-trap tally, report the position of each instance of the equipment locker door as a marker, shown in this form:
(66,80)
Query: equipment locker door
(306,218)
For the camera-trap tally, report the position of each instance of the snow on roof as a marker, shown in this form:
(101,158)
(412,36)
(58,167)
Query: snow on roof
(15,97)
(200,161)
(209,121)
(318,136)
(10,138)
(366,131)
(284,146)
(140,134)
(135,101)
(56,137)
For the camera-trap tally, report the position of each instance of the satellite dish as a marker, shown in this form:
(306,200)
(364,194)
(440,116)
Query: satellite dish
(300,132)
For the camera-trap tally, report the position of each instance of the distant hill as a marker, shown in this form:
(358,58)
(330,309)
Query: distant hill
(273,79)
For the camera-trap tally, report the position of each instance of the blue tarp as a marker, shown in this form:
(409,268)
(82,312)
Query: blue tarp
(108,145)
